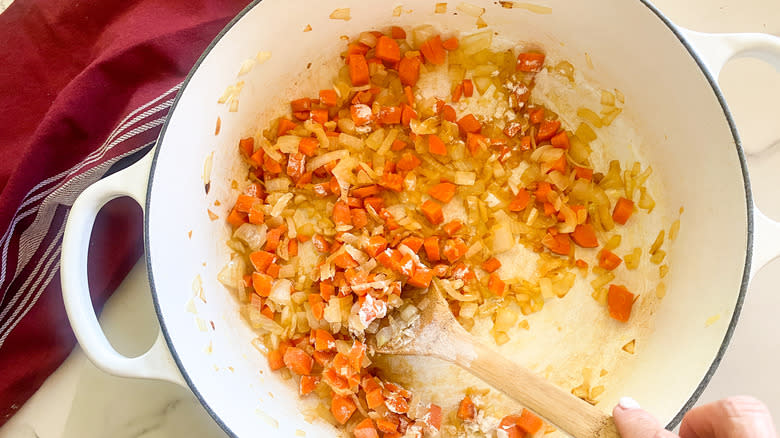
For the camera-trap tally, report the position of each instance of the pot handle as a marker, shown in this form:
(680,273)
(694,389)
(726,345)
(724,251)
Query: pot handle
(157,362)
(715,50)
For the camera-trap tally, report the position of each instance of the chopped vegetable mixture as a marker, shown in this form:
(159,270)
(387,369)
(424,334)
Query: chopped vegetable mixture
(372,190)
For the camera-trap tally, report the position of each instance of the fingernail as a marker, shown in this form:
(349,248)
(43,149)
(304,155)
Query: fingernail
(628,403)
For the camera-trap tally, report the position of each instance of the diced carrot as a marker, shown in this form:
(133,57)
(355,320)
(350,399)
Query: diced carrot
(609,260)
(308,146)
(358,70)
(421,277)
(272,239)
(542,189)
(448,113)
(374,202)
(409,95)
(558,244)
(431,245)
(374,398)
(390,115)
(387,426)
(262,283)
(256,214)
(271,165)
(443,192)
(276,359)
(467,410)
(469,123)
(387,49)
(333,186)
(452,227)
(341,215)
(365,429)
(320,243)
(624,208)
(560,140)
(496,284)
(584,235)
(433,51)
(475,142)
(285,125)
(549,209)
(317,306)
(323,340)
(520,201)
(582,264)
(376,244)
(398,145)
(356,355)
(440,270)
(329,97)
(296,165)
(454,249)
(536,115)
(584,173)
(529,422)
(525,143)
(356,49)
(619,302)
(468,88)
(491,265)
(361,114)
(342,408)
(307,384)
(302,115)
(397,32)
(359,218)
(366,191)
(344,261)
(303,104)
(407,162)
(450,44)
(457,92)
(434,416)
(247,146)
(273,270)
(530,61)
(298,361)
(509,426)
(236,218)
(413,242)
(435,145)
(407,114)
(261,259)
(392,181)
(409,70)
(559,164)
(512,129)
(547,129)
(244,203)
(319,115)
(433,212)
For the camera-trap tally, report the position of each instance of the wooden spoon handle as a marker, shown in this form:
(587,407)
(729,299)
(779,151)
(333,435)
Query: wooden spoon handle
(564,410)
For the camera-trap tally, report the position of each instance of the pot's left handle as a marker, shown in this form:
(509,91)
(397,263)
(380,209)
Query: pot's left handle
(715,50)
(157,362)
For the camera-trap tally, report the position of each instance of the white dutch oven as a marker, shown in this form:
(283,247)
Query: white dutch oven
(668,75)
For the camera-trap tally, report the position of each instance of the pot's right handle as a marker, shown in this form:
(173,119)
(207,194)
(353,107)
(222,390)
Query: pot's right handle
(715,50)
(157,362)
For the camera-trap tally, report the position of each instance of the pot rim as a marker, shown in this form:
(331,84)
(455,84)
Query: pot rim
(740,154)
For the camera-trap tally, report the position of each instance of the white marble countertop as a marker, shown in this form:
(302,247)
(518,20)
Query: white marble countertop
(80,401)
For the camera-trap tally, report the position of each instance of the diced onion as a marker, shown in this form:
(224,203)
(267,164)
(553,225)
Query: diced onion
(253,235)
(321,160)
(470,9)
(281,291)
(288,144)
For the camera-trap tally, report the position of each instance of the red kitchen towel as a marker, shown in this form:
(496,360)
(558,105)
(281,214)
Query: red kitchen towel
(82,85)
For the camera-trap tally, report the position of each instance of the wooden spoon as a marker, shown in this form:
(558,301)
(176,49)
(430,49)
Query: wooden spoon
(436,333)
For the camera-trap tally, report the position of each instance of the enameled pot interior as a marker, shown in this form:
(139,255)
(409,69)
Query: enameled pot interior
(687,139)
